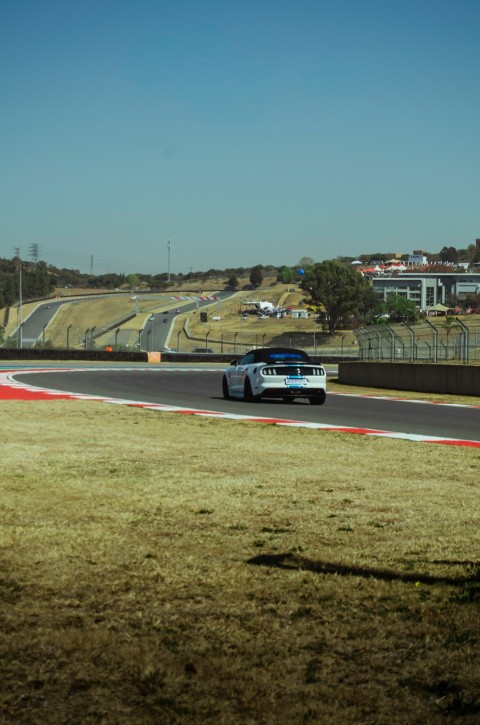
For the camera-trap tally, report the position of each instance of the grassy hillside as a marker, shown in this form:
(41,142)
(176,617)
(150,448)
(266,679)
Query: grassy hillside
(224,331)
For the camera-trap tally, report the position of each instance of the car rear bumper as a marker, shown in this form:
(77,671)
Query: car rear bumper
(291,392)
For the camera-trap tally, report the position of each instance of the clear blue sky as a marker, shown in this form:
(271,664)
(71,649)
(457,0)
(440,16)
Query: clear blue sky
(253,132)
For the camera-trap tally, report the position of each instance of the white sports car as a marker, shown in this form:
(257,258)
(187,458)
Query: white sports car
(275,372)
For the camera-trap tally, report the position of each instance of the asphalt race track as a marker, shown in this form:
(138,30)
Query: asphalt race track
(201,389)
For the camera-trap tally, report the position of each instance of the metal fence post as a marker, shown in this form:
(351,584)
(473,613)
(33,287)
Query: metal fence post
(412,339)
(465,341)
(435,340)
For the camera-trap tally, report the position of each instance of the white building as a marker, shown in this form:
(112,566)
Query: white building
(427,288)
(417,259)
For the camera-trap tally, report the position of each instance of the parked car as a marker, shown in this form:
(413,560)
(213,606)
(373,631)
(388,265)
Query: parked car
(275,372)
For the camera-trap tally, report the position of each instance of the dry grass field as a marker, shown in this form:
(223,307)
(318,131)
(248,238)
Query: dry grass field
(230,333)
(97,314)
(157,568)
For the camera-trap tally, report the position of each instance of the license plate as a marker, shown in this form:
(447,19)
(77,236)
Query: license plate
(295,382)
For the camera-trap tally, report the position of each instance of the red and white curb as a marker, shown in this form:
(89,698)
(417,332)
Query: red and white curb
(11,389)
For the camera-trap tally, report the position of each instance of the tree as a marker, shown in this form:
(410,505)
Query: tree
(448,254)
(232,281)
(10,292)
(41,284)
(256,275)
(340,289)
(401,309)
(285,275)
(472,300)
(107,281)
(305,262)
(447,325)
(476,256)
(133,280)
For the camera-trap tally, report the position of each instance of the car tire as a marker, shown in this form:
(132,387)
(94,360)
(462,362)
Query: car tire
(248,393)
(225,388)
(317,399)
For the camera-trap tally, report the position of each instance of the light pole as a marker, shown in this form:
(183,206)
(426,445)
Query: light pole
(68,337)
(20,301)
(169,247)
(152,320)
(21,306)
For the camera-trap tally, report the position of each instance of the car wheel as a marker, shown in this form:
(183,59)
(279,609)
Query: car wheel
(248,393)
(225,388)
(317,399)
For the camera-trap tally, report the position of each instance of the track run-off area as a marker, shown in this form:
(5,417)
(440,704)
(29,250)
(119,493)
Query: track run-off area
(196,390)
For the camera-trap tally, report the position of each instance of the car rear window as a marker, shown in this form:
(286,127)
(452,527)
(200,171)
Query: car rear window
(275,357)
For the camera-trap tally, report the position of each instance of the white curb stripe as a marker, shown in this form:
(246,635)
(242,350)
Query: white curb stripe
(6,379)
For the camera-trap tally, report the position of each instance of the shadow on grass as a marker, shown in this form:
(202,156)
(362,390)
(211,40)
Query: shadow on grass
(300,563)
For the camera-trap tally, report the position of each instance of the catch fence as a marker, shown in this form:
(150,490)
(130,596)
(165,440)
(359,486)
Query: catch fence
(145,338)
(437,340)
(444,339)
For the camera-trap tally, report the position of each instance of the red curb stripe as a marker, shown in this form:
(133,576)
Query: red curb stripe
(11,393)
(19,391)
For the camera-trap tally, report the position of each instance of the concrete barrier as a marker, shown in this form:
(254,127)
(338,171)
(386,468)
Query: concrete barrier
(39,354)
(425,378)
(154,357)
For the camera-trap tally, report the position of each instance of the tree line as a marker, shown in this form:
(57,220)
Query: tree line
(34,278)
(39,279)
